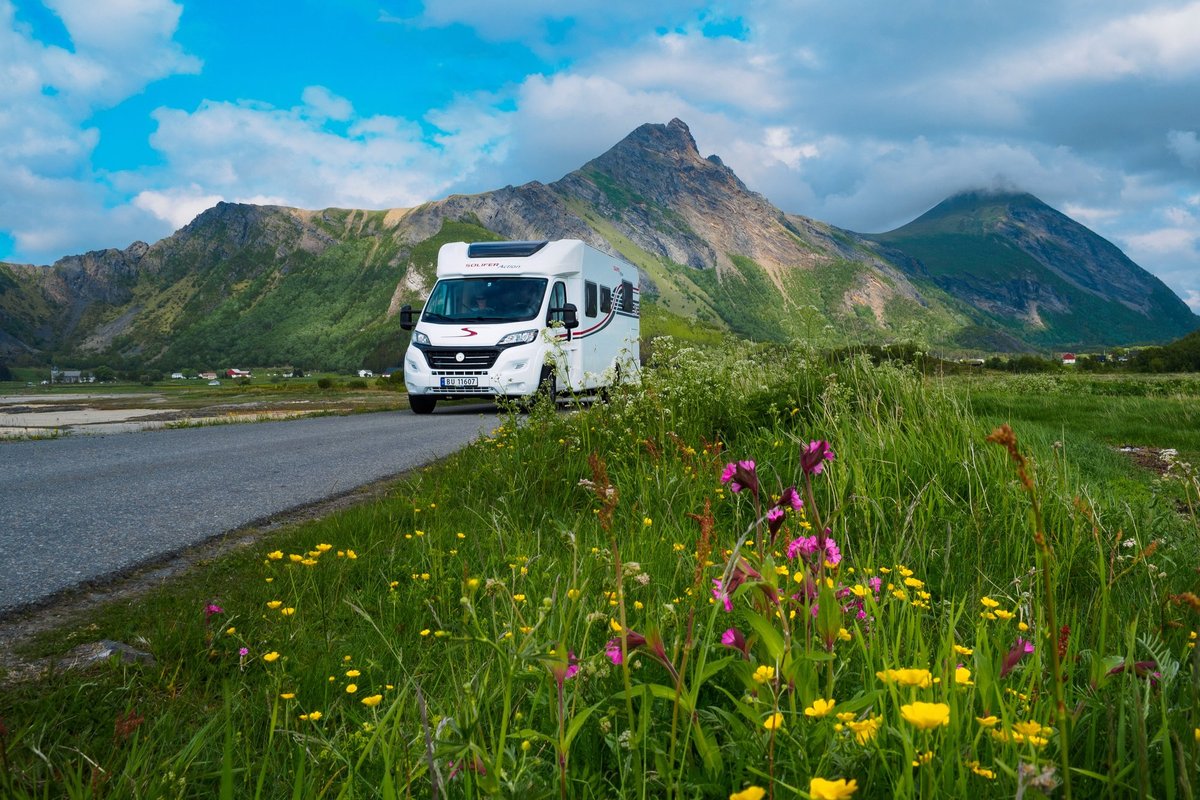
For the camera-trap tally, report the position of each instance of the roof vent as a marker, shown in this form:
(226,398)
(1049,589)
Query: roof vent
(504,249)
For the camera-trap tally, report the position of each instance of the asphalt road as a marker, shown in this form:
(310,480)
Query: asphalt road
(83,508)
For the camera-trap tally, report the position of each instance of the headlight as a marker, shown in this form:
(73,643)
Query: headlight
(419,338)
(520,337)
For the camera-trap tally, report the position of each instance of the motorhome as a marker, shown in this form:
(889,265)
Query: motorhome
(511,319)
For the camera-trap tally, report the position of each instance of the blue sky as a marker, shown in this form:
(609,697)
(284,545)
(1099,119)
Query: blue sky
(122,119)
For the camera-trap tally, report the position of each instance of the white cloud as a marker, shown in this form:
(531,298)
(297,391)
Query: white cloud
(177,206)
(1185,145)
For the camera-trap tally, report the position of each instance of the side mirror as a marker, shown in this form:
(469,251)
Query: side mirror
(406,318)
(570,316)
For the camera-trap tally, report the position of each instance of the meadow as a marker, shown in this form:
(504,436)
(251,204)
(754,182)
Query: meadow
(759,574)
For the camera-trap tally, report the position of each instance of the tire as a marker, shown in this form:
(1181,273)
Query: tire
(421,403)
(548,386)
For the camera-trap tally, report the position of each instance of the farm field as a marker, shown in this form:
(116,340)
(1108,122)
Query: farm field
(758,575)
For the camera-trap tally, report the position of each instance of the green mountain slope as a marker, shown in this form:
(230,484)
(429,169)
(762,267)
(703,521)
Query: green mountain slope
(1035,274)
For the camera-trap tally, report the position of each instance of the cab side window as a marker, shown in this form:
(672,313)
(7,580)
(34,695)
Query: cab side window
(605,299)
(558,299)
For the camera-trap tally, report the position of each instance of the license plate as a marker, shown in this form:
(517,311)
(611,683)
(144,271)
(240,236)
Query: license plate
(460,382)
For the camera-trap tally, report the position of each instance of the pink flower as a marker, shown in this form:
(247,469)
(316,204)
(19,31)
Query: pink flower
(807,547)
(613,651)
(814,456)
(734,638)
(244,651)
(1019,650)
(212,608)
(741,475)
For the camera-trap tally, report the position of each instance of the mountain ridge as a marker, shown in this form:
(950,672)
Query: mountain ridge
(272,284)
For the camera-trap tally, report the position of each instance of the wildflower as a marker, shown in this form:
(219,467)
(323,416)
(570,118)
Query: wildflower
(270,657)
(573,594)
(981,771)
(276,555)
(773,722)
(1028,728)
(734,638)
(926,716)
(1004,615)
(526,746)
(352,673)
(962,676)
(287,612)
(814,455)
(211,609)
(324,548)
(1019,650)
(989,721)
(308,562)
(230,631)
(819,708)
(923,758)
(741,475)
(865,730)
(351,688)
(807,546)
(822,789)
(372,700)
(425,631)
(989,602)
(274,604)
(311,716)
(921,678)
(844,635)
(288,696)
(350,554)
(749,793)
(963,651)
(647,522)
(764,674)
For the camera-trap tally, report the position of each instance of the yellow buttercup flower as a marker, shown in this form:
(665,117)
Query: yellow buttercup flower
(989,721)
(295,558)
(819,708)
(288,696)
(865,730)
(1005,615)
(963,651)
(287,612)
(774,722)
(749,793)
(989,602)
(926,716)
(764,674)
(275,555)
(962,676)
(352,673)
(372,700)
(271,656)
(311,716)
(274,604)
(910,676)
(351,688)
(822,789)
(324,548)
(981,771)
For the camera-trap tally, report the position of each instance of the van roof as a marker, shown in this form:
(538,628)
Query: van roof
(504,249)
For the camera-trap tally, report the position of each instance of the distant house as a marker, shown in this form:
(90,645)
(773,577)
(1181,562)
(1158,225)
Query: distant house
(177,376)
(69,376)
(366,373)
(208,376)
(1068,358)
(238,373)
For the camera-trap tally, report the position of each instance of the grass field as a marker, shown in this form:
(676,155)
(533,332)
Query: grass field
(756,575)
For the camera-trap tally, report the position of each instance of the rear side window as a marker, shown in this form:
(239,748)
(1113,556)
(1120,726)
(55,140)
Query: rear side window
(589,299)
(605,299)
(627,297)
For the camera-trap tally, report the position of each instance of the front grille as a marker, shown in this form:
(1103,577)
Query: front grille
(474,358)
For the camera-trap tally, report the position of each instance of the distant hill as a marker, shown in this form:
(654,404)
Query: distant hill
(1032,272)
(244,284)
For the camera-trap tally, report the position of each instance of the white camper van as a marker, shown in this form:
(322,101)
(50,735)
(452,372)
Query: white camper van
(509,319)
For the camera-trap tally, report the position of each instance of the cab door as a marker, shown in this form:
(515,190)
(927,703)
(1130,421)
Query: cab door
(568,353)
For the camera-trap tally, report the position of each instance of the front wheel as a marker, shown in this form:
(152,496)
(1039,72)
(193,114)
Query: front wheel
(421,403)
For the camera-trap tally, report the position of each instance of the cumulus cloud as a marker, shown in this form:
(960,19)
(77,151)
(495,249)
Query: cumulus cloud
(1185,145)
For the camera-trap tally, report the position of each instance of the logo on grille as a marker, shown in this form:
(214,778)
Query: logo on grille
(459,357)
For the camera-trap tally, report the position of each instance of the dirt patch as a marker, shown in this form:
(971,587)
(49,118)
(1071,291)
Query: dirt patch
(1150,458)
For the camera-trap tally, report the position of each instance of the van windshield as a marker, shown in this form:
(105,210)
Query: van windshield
(478,300)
